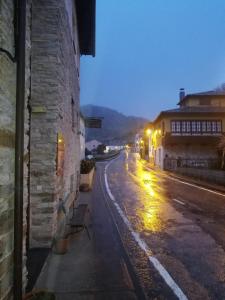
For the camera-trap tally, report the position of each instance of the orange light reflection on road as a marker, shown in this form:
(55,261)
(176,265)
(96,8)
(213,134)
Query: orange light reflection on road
(149,215)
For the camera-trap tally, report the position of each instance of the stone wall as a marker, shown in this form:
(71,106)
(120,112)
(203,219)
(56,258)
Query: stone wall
(54,87)
(26,137)
(191,151)
(213,176)
(7,151)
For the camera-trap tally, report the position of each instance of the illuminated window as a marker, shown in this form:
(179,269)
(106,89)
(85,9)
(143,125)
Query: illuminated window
(60,155)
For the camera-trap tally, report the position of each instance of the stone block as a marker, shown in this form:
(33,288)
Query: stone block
(5,264)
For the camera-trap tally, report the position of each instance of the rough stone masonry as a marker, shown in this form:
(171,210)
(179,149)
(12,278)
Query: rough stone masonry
(54,117)
(51,114)
(7,150)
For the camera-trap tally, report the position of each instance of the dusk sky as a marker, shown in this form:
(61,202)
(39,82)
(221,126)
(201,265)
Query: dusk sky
(147,49)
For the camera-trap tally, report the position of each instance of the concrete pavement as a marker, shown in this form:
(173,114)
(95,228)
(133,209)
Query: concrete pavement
(92,269)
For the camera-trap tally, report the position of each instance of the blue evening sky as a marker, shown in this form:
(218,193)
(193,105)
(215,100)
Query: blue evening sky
(147,49)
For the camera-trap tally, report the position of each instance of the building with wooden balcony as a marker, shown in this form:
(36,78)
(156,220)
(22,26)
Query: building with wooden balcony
(189,135)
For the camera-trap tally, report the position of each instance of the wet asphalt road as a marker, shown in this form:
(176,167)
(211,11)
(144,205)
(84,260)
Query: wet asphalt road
(183,226)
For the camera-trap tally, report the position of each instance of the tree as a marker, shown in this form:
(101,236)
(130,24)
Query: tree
(101,148)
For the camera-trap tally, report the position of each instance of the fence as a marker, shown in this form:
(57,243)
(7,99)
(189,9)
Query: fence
(173,164)
(203,169)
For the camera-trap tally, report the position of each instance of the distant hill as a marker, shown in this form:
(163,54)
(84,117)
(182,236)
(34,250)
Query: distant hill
(116,128)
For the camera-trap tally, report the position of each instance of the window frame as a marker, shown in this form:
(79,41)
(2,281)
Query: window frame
(196,127)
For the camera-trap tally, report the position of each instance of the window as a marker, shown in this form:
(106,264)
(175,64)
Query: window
(203,126)
(173,126)
(214,127)
(178,126)
(219,126)
(188,124)
(208,124)
(184,126)
(196,127)
(198,124)
(193,126)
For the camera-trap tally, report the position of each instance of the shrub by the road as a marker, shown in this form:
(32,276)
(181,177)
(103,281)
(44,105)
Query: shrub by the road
(86,166)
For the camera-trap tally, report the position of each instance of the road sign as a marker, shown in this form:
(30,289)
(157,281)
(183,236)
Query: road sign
(91,122)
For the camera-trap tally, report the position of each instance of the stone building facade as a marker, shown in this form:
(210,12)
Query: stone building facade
(58,38)
(57,33)
(54,137)
(7,148)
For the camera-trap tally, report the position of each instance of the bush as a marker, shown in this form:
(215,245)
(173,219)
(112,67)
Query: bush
(86,166)
(101,148)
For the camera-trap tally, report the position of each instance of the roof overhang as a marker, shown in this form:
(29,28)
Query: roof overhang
(86,15)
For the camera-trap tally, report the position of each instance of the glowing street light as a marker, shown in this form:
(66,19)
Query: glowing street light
(148,132)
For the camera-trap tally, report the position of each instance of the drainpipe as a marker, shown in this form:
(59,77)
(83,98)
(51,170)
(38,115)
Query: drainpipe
(20,42)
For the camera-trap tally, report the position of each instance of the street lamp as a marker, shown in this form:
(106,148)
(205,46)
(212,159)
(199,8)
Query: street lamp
(148,132)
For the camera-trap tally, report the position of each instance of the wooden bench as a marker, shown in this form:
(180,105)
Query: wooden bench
(78,219)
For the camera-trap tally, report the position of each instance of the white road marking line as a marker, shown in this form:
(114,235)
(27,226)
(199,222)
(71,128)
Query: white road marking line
(142,244)
(190,184)
(178,201)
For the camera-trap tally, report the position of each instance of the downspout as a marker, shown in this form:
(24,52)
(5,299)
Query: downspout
(20,42)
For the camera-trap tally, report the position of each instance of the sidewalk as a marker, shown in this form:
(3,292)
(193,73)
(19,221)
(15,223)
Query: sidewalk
(91,269)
